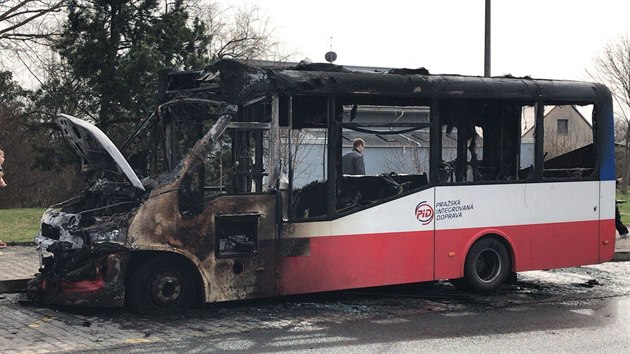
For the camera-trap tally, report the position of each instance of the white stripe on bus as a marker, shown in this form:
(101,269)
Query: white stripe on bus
(459,207)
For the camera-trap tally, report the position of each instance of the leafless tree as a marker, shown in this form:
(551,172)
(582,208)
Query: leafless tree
(24,20)
(556,145)
(305,154)
(25,29)
(240,32)
(612,68)
(410,158)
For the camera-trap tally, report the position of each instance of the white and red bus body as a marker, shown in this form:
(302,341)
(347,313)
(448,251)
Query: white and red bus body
(545,225)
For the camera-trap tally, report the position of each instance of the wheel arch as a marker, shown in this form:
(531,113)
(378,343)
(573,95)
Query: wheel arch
(145,255)
(498,235)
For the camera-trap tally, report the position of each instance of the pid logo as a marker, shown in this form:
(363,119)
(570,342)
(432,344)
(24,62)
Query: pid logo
(424,213)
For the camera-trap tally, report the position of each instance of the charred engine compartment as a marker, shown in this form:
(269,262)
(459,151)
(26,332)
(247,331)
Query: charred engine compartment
(96,216)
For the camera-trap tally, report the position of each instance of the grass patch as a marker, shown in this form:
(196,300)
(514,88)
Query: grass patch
(624,208)
(19,225)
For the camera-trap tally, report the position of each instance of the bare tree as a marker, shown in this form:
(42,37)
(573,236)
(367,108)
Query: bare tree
(22,20)
(26,26)
(612,68)
(412,158)
(240,33)
(306,154)
(556,145)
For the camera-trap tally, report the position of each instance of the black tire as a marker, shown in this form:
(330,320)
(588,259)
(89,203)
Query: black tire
(160,285)
(487,265)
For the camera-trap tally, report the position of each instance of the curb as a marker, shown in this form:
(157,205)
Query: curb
(20,243)
(621,257)
(13,286)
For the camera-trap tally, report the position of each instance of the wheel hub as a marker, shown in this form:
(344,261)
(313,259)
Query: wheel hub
(166,289)
(488,265)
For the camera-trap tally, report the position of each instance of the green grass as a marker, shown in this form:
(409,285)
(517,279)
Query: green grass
(19,225)
(624,208)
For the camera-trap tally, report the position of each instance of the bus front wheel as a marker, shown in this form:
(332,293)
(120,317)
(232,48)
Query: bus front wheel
(487,265)
(160,285)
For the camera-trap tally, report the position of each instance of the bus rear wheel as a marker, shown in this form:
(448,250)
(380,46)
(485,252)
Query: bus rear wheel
(487,265)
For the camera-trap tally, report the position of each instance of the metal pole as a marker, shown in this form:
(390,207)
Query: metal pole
(486,67)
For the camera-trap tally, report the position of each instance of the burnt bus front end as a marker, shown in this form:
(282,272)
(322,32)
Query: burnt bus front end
(85,249)
(84,255)
(184,211)
(82,243)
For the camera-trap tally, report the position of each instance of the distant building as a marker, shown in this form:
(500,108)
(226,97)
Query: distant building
(566,129)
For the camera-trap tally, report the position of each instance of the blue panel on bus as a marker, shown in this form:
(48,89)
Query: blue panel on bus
(607,144)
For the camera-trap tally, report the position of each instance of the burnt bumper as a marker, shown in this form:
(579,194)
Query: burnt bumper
(98,281)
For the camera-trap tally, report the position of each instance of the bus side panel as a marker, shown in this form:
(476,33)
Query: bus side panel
(607,175)
(607,234)
(572,235)
(451,247)
(356,261)
(561,250)
(565,245)
(463,213)
(390,243)
(607,231)
(548,225)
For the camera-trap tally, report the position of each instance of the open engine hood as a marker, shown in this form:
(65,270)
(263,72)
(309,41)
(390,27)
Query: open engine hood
(94,148)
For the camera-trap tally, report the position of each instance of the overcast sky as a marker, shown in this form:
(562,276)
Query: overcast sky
(554,39)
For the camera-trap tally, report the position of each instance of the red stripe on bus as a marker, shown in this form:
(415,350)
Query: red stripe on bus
(355,261)
(344,262)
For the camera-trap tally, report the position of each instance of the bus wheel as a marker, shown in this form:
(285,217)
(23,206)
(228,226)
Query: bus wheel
(487,265)
(160,285)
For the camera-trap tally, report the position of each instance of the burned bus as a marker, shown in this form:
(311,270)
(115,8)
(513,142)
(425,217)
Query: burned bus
(233,188)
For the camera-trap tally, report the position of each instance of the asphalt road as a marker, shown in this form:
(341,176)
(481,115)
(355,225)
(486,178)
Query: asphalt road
(581,309)
(594,325)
